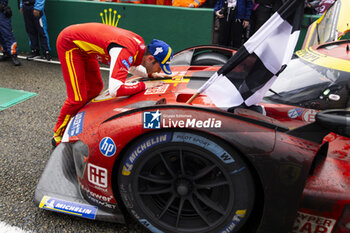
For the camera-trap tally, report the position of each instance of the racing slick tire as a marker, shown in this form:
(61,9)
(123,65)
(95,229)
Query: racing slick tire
(183,181)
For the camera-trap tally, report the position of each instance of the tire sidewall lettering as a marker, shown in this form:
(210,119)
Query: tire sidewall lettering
(239,212)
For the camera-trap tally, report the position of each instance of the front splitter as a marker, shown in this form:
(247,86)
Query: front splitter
(58,189)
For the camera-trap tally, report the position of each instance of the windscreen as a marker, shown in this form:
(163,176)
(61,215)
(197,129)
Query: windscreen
(301,81)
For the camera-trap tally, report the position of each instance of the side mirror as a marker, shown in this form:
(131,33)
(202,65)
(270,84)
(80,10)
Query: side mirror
(336,120)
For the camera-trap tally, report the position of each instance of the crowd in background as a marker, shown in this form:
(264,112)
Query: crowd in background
(36,27)
(234,21)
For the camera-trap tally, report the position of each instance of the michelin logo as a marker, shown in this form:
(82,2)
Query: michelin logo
(72,208)
(237,218)
(142,147)
(151,120)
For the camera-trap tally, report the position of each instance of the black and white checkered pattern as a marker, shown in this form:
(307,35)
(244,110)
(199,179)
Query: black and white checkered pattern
(250,72)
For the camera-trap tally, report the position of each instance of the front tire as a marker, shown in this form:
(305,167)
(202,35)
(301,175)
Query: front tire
(186,182)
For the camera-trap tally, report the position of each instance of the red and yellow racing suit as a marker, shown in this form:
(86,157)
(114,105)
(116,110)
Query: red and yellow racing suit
(79,49)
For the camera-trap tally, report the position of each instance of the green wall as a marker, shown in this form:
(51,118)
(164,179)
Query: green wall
(179,27)
(307,20)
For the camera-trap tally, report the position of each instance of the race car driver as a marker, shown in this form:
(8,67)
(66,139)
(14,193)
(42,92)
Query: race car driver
(80,47)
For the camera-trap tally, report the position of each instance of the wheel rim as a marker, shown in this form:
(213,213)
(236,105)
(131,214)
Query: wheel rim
(184,188)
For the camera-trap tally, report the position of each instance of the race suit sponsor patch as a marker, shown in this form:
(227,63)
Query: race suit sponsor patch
(142,147)
(307,223)
(67,207)
(76,127)
(126,64)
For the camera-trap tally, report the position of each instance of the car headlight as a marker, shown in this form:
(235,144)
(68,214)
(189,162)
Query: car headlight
(80,155)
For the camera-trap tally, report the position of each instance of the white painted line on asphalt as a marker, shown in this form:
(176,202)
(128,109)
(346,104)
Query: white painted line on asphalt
(5,228)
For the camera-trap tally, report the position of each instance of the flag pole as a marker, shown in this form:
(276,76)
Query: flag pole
(192,98)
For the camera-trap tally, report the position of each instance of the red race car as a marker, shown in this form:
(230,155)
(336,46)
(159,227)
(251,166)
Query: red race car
(177,167)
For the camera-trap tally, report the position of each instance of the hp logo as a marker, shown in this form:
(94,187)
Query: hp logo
(107,147)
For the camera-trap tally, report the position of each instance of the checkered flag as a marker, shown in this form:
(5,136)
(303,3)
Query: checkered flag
(250,72)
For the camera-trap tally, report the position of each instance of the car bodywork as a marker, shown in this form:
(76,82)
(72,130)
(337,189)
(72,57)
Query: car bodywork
(95,173)
(333,25)
(321,78)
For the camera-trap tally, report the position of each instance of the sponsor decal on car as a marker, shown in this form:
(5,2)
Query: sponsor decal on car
(145,145)
(157,90)
(289,173)
(295,112)
(307,223)
(311,57)
(98,199)
(67,207)
(237,218)
(309,115)
(217,150)
(76,127)
(97,175)
(108,147)
(155,120)
(334,97)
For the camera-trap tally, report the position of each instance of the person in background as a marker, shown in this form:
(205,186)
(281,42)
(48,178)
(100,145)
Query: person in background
(7,39)
(262,11)
(36,27)
(234,16)
(318,7)
(80,47)
(188,3)
(158,2)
